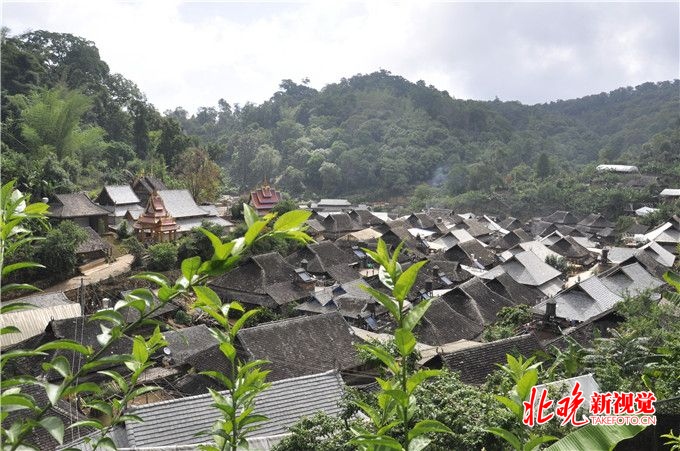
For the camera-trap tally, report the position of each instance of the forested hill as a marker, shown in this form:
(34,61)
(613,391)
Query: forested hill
(374,136)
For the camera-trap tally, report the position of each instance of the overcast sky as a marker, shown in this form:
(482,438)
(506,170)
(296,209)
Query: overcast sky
(191,54)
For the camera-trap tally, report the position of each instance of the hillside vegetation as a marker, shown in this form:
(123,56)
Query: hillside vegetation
(68,123)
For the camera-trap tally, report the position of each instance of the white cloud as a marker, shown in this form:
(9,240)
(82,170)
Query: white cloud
(192,54)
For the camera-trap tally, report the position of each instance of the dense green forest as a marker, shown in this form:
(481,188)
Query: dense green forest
(68,123)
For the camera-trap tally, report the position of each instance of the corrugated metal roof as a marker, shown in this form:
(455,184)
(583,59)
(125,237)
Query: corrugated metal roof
(34,321)
(176,422)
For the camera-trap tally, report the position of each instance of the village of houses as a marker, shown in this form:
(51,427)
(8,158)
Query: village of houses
(477,264)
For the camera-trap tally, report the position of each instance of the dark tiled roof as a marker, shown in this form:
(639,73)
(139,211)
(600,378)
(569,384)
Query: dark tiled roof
(74,205)
(636,229)
(321,256)
(79,329)
(451,270)
(343,273)
(476,228)
(365,218)
(647,260)
(442,324)
(506,286)
(399,232)
(510,223)
(132,314)
(585,332)
(287,292)
(93,243)
(568,248)
(149,184)
(476,363)
(562,217)
(187,342)
(595,220)
(340,223)
(542,228)
(421,221)
(486,302)
(463,253)
(177,422)
(301,346)
(509,240)
(67,413)
(265,279)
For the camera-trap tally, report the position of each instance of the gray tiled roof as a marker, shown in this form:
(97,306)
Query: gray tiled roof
(631,279)
(92,243)
(561,217)
(74,206)
(463,252)
(42,300)
(186,224)
(32,322)
(334,203)
(621,254)
(510,223)
(180,204)
(595,220)
(178,421)
(121,194)
(520,294)
(184,343)
(66,412)
(477,362)
(321,257)
(594,287)
(542,228)
(442,324)
(583,301)
(476,228)
(300,346)
(570,249)
(476,301)
(659,254)
(526,268)
(265,279)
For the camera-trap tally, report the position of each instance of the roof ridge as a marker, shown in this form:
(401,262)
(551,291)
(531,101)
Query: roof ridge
(208,395)
(297,318)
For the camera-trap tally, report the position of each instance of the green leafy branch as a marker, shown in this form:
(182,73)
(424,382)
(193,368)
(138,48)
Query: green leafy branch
(391,425)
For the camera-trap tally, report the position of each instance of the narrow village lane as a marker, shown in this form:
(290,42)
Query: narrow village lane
(120,266)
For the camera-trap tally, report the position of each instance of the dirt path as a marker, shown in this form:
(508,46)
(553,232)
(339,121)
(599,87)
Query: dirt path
(120,266)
